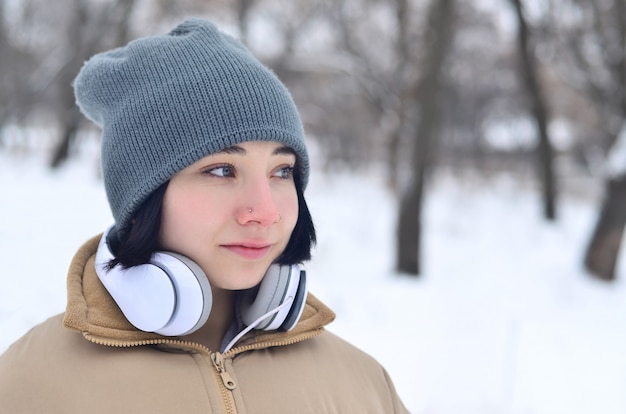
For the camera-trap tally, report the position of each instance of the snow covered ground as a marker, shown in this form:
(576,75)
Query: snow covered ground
(503,320)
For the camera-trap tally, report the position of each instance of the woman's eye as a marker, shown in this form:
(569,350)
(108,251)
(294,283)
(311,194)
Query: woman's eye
(284,173)
(222,171)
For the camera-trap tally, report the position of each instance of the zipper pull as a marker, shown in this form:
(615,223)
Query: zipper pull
(218,363)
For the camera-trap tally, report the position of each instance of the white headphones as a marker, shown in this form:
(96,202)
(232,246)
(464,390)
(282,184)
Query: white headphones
(171,295)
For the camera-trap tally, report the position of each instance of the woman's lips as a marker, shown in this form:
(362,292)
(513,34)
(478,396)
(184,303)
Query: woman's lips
(252,252)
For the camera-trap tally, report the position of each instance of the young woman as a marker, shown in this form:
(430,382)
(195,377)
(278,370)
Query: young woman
(193,302)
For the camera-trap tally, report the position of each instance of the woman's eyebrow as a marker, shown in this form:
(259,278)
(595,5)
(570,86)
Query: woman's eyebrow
(284,150)
(235,149)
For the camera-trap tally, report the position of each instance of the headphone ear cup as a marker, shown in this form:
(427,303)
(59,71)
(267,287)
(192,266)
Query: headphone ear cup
(170,295)
(194,298)
(299,302)
(278,285)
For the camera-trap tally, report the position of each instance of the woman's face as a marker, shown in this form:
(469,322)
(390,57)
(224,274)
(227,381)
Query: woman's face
(233,212)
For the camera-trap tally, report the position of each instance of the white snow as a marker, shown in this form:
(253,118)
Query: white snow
(503,320)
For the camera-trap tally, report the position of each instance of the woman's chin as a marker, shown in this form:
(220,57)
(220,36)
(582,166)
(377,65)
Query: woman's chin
(240,282)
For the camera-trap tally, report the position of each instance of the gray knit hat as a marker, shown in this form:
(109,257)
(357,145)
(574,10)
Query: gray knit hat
(164,102)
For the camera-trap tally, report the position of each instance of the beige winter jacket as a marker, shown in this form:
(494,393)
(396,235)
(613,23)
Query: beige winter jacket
(114,368)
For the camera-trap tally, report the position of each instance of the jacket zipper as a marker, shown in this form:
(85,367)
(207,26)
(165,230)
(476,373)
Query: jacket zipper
(218,363)
(201,348)
(225,381)
(267,344)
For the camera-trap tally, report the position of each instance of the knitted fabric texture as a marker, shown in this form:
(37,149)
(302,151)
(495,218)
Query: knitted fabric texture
(164,102)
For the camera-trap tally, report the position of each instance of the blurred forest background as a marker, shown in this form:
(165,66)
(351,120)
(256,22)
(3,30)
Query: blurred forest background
(473,88)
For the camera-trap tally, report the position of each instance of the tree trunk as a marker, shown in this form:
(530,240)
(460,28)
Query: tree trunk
(395,131)
(243,10)
(603,251)
(539,111)
(69,130)
(409,236)
(410,213)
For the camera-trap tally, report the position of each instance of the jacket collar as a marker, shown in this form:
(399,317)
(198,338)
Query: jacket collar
(91,310)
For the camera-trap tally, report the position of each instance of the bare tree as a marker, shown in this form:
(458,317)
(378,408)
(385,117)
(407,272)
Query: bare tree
(85,36)
(439,33)
(592,59)
(539,110)
(16,69)
(243,8)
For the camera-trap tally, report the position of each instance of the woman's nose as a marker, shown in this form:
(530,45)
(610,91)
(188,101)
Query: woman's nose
(258,205)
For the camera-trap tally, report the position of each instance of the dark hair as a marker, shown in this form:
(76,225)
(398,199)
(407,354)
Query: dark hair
(303,236)
(136,245)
